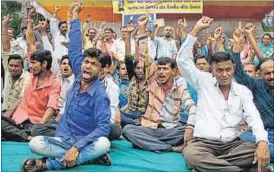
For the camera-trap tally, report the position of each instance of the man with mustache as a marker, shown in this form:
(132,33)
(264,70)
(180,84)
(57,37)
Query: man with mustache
(166,46)
(131,112)
(160,129)
(222,105)
(39,102)
(81,134)
(262,88)
(59,34)
(15,82)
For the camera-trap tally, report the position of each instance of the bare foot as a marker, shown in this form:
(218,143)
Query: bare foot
(178,148)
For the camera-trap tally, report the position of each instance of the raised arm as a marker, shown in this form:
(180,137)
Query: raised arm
(184,59)
(250,30)
(55,68)
(101,28)
(128,58)
(69,16)
(30,37)
(75,43)
(154,32)
(84,29)
(5,37)
(54,22)
(218,33)
(239,74)
(181,29)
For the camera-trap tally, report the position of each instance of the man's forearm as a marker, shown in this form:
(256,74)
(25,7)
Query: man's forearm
(5,37)
(174,56)
(30,38)
(48,115)
(154,32)
(127,46)
(254,45)
(11,111)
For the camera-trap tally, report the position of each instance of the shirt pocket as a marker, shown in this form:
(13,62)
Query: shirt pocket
(84,114)
(234,118)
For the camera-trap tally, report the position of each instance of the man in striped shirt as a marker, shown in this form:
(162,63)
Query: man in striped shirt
(160,130)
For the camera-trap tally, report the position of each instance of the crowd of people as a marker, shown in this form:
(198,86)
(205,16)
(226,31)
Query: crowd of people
(70,89)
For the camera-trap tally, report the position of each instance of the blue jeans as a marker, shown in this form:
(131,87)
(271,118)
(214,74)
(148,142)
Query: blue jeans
(248,136)
(128,117)
(55,148)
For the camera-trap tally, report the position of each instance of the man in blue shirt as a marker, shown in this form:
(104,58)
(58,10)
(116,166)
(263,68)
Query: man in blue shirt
(262,89)
(81,135)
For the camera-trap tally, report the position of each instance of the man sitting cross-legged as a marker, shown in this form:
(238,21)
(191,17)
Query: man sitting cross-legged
(160,130)
(38,104)
(222,105)
(16,80)
(66,79)
(81,134)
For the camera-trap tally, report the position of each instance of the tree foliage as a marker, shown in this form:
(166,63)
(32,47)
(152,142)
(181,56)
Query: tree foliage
(13,8)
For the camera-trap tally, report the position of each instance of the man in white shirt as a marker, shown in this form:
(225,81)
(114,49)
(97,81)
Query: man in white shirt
(222,105)
(166,46)
(113,92)
(22,42)
(59,35)
(118,47)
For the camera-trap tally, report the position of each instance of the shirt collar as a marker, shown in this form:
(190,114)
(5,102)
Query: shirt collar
(94,86)
(233,87)
(47,84)
(70,78)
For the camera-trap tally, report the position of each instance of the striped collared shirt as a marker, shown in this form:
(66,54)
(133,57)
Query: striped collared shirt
(165,109)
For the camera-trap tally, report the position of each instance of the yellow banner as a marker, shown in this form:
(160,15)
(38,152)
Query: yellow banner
(157,6)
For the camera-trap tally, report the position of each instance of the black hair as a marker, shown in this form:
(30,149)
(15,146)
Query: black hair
(220,57)
(13,31)
(23,28)
(267,34)
(109,29)
(42,18)
(251,63)
(92,29)
(261,62)
(16,57)
(105,60)
(199,56)
(42,56)
(65,57)
(61,22)
(167,60)
(92,53)
(118,65)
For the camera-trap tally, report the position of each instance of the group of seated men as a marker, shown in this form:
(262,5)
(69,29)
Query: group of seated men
(208,108)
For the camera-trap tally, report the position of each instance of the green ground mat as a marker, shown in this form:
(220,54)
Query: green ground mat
(123,156)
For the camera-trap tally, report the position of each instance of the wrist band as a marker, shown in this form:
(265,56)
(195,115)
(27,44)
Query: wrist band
(189,127)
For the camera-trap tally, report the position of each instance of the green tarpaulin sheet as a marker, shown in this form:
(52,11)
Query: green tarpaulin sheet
(123,156)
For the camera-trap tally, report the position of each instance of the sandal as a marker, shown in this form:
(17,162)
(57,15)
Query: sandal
(34,165)
(101,160)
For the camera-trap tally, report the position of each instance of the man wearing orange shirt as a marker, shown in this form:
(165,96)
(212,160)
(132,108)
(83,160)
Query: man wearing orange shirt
(39,102)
